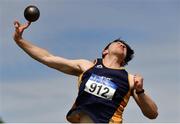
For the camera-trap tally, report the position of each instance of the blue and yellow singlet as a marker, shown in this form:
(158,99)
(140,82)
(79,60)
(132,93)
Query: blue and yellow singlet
(103,94)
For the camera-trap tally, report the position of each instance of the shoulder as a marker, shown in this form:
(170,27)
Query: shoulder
(85,64)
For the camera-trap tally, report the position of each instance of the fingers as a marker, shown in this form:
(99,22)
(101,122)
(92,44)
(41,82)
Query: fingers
(26,25)
(138,81)
(29,23)
(18,25)
(138,78)
(19,28)
(135,77)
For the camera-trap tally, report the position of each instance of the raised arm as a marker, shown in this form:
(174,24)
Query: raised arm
(73,67)
(146,104)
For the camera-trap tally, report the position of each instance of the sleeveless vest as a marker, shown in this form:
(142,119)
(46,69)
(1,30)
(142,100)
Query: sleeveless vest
(103,94)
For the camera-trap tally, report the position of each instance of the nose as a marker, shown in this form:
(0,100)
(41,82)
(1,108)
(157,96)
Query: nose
(122,45)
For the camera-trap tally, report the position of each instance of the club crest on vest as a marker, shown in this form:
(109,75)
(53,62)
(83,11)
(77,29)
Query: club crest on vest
(99,66)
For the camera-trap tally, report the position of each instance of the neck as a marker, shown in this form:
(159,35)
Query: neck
(113,62)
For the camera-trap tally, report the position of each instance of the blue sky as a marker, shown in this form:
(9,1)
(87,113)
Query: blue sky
(75,29)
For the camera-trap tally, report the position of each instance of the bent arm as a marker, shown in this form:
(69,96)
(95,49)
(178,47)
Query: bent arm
(146,104)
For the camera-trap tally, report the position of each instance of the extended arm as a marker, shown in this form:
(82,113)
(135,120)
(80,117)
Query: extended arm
(73,67)
(146,104)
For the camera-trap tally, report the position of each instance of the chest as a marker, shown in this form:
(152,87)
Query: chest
(105,83)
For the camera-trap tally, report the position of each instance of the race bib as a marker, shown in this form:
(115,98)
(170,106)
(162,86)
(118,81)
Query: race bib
(100,86)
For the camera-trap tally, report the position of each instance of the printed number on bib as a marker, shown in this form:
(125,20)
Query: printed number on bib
(100,86)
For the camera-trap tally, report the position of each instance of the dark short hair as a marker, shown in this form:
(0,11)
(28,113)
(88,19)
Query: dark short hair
(130,52)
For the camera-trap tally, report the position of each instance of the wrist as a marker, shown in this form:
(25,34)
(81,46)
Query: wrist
(140,91)
(17,39)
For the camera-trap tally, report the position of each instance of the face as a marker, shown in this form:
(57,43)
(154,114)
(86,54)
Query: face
(117,48)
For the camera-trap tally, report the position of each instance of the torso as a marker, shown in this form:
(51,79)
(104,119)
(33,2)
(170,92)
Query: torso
(103,94)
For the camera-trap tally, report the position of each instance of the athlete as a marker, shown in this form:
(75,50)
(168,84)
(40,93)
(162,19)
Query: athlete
(104,85)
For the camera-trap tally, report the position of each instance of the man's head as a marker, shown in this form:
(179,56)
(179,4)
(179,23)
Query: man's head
(120,47)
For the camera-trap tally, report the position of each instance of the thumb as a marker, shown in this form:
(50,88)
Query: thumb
(16,25)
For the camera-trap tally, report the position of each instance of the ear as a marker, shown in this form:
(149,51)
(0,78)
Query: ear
(105,52)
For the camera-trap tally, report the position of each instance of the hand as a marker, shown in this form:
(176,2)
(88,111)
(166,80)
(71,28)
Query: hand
(19,28)
(138,82)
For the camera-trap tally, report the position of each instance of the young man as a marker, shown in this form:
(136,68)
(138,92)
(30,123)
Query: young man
(104,86)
